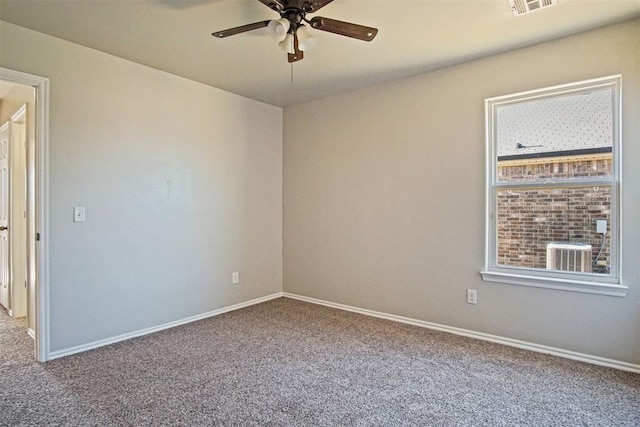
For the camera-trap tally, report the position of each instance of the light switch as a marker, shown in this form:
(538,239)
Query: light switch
(78,214)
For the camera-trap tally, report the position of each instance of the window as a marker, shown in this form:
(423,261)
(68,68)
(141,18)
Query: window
(553,188)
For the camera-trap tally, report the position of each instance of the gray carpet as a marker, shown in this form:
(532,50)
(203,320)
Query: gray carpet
(289,363)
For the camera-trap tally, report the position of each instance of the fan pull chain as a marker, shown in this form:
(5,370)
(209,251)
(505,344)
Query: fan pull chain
(292,72)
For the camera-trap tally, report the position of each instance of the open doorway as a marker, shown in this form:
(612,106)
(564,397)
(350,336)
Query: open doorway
(23,136)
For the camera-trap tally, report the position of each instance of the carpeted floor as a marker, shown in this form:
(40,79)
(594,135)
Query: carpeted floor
(289,363)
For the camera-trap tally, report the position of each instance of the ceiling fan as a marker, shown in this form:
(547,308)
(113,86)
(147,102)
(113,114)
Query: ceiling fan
(290,30)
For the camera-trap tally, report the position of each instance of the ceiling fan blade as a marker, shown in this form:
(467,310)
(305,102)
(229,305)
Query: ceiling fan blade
(242,29)
(297,54)
(311,6)
(348,29)
(276,5)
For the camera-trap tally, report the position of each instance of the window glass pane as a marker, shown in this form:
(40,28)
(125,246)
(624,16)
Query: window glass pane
(552,228)
(566,136)
(553,187)
(567,167)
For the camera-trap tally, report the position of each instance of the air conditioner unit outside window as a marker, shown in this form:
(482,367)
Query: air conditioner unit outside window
(569,256)
(519,7)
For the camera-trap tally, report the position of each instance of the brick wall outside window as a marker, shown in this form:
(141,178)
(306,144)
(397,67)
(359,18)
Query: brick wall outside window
(530,218)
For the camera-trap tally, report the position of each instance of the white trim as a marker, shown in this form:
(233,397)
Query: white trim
(565,88)
(32,333)
(539,281)
(101,343)
(43,345)
(567,354)
(41,85)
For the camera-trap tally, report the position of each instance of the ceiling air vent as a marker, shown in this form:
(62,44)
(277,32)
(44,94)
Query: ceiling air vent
(520,7)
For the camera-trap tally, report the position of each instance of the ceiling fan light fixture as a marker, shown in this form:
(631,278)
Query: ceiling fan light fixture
(287,44)
(278,29)
(305,40)
(293,36)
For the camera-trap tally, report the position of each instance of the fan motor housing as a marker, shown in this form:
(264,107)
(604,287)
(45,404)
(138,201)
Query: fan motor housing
(294,15)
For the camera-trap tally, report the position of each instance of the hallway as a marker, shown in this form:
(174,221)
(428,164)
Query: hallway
(16,346)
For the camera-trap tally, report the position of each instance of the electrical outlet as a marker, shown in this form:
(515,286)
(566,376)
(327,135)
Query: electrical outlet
(472,296)
(235,277)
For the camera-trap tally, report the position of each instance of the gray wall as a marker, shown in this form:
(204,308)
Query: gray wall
(384,198)
(182,185)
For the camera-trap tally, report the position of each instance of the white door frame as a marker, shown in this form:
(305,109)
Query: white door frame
(41,86)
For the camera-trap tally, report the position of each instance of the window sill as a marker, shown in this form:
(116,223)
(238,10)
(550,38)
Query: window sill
(583,286)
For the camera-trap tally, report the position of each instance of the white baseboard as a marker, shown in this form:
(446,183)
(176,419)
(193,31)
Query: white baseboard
(595,360)
(101,343)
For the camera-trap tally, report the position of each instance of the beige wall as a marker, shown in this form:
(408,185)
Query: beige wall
(384,199)
(182,185)
(14,99)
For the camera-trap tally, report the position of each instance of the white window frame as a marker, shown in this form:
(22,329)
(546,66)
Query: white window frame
(610,284)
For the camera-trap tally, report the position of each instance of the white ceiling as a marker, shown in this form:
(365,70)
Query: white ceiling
(415,36)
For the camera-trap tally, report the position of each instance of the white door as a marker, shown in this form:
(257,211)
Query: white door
(4,215)
(17,235)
